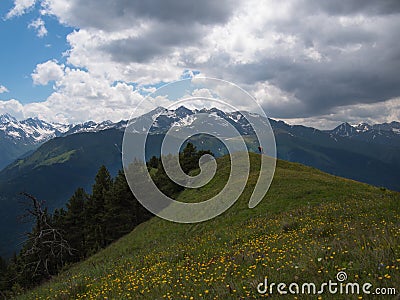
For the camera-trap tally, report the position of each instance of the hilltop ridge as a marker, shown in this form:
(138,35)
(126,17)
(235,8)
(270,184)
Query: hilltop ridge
(309,226)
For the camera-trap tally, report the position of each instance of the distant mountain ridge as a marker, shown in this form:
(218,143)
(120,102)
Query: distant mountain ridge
(330,150)
(20,137)
(385,133)
(36,131)
(52,170)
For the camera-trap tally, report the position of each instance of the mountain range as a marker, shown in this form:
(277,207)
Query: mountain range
(18,138)
(51,160)
(385,133)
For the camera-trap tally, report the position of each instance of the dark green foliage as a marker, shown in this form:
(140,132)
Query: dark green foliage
(189,160)
(123,211)
(88,223)
(95,210)
(74,223)
(189,157)
(3,274)
(45,249)
(8,274)
(164,183)
(153,162)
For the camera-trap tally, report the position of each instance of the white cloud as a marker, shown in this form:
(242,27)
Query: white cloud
(39,26)
(20,7)
(299,58)
(13,107)
(87,52)
(47,71)
(260,42)
(3,89)
(274,100)
(80,96)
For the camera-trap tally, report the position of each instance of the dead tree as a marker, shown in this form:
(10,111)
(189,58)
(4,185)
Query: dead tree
(45,245)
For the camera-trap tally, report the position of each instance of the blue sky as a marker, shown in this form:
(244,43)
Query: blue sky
(22,50)
(303,60)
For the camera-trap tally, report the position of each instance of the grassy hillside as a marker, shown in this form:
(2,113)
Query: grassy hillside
(309,226)
(11,150)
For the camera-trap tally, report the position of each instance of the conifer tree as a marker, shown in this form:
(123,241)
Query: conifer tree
(153,162)
(124,212)
(189,157)
(74,223)
(119,208)
(3,274)
(95,212)
(163,182)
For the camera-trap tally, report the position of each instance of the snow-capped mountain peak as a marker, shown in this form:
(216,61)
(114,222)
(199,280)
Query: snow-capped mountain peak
(34,131)
(182,112)
(362,127)
(344,130)
(385,133)
(7,118)
(29,132)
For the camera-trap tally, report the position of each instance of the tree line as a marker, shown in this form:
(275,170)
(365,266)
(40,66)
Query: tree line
(89,222)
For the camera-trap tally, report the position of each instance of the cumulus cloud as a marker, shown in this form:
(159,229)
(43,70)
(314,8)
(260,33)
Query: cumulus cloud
(3,89)
(117,15)
(20,7)
(320,59)
(302,59)
(80,96)
(39,26)
(323,55)
(13,107)
(46,72)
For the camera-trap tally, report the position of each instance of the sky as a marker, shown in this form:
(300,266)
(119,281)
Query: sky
(311,62)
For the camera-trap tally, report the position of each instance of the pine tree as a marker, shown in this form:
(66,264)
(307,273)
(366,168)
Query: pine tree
(153,162)
(95,212)
(189,161)
(74,223)
(163,182)
(124,212)
(3,275)
(119,209)
(189,157)
(8,276)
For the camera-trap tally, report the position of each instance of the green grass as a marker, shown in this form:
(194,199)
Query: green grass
(59,159)
(309,226)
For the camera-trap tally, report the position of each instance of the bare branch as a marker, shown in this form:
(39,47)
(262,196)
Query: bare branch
(45,244)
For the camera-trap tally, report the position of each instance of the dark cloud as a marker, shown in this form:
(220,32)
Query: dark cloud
(365,77)
(359,63)
(182,12)
(156,42)
(172,23)
(121,14)
(357,54)
(348,7)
